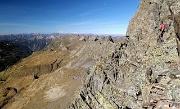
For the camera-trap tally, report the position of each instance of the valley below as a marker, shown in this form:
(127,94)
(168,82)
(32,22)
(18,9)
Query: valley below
(97,72)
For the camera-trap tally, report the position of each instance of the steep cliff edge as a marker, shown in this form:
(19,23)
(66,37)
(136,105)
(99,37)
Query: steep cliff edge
(95,73)
(146,22)
(141,73)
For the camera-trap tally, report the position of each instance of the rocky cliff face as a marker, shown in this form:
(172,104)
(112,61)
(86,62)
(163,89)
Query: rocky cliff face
(141,73)
(96,73)
(146,22)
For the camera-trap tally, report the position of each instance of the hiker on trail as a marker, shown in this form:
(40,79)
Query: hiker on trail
(162,31)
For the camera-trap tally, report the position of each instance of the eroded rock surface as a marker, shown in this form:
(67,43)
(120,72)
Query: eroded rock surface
(97,73)
(53,77)
(141,73)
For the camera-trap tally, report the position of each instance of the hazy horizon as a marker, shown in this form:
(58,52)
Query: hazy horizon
(66,34)
(66,16)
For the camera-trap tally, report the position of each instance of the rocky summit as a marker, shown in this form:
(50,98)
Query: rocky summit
(81,72)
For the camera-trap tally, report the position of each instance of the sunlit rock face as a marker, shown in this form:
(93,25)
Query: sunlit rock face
(142,72)
(82,72)
(146,22)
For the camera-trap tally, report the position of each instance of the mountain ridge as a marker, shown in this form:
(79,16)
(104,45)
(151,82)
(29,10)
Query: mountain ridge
(141,72)
(134,72)
(65,60)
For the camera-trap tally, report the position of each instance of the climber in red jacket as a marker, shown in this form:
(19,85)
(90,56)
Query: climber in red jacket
(162,31)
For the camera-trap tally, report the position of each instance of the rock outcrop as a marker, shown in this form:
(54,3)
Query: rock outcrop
(135,76)
(141,73)
(146,22)
(53,76)
(98,73)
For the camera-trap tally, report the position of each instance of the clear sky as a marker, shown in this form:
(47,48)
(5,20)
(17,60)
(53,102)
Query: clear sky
(66,16)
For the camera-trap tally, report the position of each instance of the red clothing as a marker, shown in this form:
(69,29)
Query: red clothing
(162,27)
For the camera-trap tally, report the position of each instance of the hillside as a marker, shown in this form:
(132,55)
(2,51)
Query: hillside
(11,52)
(59,68)
(82,72)
(14,50)
(34,43)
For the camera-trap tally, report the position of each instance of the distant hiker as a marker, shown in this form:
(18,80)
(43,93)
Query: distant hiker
(162,31)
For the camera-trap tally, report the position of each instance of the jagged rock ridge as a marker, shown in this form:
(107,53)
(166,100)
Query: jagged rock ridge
(52,77)
(135,73)
(141,73)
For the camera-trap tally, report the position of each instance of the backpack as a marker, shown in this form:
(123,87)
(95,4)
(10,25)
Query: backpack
(166,28)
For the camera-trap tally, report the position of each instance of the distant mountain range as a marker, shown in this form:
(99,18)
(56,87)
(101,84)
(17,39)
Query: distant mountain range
(86,71)
(34,42)
(15,47)
(25,36)
(37,41)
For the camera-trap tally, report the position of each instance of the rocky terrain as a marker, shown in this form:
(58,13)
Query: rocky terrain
(54,73)
(81,72)
(141,73)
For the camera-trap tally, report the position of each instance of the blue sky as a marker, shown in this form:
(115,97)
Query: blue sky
(66,16)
